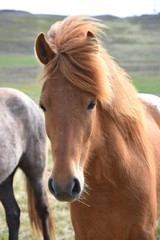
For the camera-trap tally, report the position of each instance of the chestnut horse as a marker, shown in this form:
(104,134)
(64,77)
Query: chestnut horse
(23,145)
(105,140)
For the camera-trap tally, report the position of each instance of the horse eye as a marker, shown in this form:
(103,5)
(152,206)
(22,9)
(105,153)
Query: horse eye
(91,105)
(42,107)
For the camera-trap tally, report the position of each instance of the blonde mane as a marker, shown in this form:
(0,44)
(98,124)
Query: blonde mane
(82,60)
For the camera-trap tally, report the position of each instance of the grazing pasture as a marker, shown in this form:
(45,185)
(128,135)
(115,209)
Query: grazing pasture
(133,42)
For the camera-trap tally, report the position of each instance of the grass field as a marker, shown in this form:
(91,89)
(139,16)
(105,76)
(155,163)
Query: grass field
(133,42)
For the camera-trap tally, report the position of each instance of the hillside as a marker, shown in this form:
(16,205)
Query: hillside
(133,42)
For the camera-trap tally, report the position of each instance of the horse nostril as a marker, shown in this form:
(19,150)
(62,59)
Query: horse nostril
(51,186)
(65,192)
(76,188)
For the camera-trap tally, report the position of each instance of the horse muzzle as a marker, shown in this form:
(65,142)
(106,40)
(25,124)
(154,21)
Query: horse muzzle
(67,192)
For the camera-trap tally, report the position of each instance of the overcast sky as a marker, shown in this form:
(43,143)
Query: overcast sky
(120,8)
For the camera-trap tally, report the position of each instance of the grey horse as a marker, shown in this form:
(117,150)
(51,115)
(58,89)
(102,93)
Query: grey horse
(23,145)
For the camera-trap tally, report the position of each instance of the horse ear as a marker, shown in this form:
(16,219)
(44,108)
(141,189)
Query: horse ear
(43,50)
(92,36)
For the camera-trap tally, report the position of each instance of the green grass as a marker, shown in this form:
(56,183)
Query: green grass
(148,84)
(16,60)
(32,90)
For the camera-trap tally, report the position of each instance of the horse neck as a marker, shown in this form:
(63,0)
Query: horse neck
(112,155)
(104,149)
